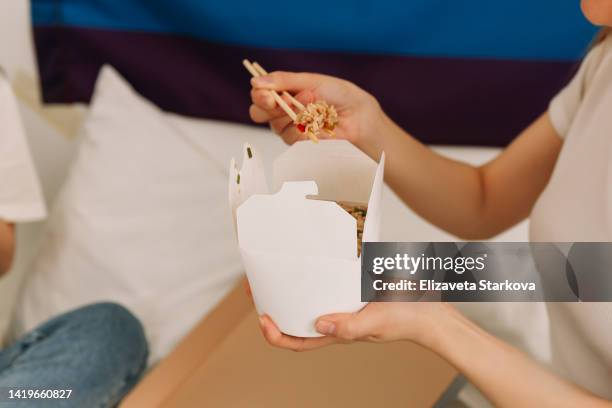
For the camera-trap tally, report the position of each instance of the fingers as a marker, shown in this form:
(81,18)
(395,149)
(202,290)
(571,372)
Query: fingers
(347,326)
(263,98)
(274,336)
(259,115)
(264,107)
(287,81)
(283,126)
(265,110)
(280,123)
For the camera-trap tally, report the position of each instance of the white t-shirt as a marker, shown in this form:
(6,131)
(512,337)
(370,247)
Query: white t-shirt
(577,206)
(20,194)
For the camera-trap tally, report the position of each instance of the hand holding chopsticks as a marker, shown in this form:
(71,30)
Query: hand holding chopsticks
(286,94)
(255,72)
(311,120)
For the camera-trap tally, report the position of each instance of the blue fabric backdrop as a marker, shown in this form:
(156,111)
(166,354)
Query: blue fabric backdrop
(460,72)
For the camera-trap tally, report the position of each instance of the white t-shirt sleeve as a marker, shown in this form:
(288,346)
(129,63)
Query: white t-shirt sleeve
(20,194)
(565,104)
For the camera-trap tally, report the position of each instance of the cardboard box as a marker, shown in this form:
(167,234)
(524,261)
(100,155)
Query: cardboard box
(298,246)
(225,362)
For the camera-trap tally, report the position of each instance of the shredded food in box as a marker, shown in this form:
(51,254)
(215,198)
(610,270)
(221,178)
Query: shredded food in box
(359,212)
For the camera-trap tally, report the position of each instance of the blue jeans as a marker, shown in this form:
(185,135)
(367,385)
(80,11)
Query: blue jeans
(98,351)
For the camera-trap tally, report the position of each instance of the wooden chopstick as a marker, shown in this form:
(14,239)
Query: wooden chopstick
(294,101)
(257,70)
(250,68)
(275,95)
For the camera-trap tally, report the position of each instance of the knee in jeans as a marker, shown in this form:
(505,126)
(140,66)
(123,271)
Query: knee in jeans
(119,331)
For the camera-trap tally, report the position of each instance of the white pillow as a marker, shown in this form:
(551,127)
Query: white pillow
(142,220)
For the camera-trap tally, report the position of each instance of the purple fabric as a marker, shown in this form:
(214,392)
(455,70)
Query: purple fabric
(439,100)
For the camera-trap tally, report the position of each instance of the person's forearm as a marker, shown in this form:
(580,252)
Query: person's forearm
(506,376)
(7,246)
(470,202)
(447,193)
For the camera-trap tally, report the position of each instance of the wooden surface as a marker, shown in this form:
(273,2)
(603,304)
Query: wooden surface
(191,354)
(225,362)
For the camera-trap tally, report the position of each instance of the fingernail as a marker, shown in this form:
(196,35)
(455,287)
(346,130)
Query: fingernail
(269,102)
(325,327)
(262,81)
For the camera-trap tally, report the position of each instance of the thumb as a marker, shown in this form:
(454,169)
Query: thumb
(345,326)
(287,81)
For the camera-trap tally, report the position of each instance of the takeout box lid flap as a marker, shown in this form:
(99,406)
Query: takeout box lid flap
(342,171)
(288,222)
(372,224)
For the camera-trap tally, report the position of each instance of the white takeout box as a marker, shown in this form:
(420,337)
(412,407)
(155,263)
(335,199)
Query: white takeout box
(299,248)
